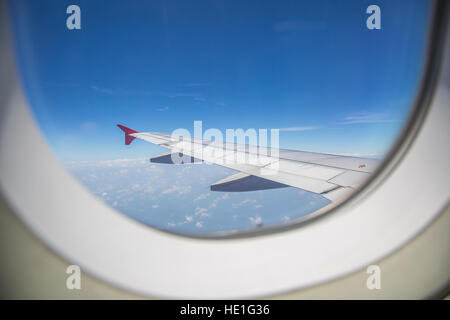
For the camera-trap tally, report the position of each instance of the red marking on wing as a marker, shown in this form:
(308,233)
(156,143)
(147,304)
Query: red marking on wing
(128,131)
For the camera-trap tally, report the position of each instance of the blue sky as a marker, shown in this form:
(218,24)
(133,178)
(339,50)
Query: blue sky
(312,67)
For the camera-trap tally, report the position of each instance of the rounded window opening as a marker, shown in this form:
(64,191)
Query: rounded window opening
(216,117)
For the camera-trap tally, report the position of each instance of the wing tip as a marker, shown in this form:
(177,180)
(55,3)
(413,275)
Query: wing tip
(128,131)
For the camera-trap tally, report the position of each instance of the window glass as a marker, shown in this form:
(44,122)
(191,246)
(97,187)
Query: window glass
(334,79)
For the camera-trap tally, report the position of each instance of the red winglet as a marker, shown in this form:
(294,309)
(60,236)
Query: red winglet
(127,131)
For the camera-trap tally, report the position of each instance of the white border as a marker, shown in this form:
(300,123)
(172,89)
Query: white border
(115,248)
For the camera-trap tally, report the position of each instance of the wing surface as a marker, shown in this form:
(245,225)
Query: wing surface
(333,176)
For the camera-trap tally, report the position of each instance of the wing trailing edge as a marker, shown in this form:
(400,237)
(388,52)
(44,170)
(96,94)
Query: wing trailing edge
(245,182)
(174,158)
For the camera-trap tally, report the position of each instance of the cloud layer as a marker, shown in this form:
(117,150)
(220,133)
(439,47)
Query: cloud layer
(178,197)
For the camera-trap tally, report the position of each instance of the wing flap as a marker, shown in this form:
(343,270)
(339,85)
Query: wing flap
(305,169)
(350,178)
(339,194)
(244,182)
(294,180)
(174,158)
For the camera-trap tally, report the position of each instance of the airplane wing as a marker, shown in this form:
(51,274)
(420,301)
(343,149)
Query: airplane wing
(332,176)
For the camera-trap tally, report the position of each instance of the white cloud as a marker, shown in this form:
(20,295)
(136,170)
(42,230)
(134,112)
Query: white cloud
(165,108)
(306,128)
(124,163)
(201,211)
(156,201)
(185,189)
(244,202)
(202,196)
(149,189)
(256,220)
(365,117)
(179,189)
(199,224)
(169,190)
(216,200)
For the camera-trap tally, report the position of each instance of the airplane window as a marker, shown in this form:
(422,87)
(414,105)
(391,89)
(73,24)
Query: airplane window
(217,117)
